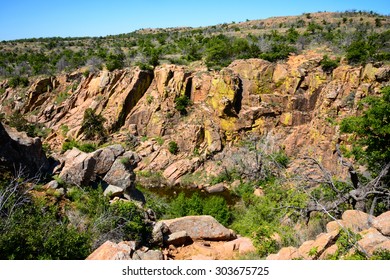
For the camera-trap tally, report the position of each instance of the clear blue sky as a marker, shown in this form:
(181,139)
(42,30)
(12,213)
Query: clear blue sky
(47,18)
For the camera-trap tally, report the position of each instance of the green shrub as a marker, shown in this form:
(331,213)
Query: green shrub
(84,147)
(372,131)
(173,148)
(36,229)
(328,64)
(278,51)
(159,140)
(181,104)
(92,125)
(18,81)
(215,206)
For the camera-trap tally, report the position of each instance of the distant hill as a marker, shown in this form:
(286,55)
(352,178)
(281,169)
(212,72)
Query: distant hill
(360,36)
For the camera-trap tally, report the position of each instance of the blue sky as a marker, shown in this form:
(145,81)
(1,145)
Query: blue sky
(47,18)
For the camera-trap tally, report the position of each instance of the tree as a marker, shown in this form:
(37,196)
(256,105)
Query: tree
(371,131)
(92,125)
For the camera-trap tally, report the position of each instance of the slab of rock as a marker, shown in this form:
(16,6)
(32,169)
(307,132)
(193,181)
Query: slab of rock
(177,169)
(356,220)
(78,168)
(328,252)
(334,225)
(178,238)
(53,184)
(258,192)
(372,240)
(155,255)
(382,223)
(217,188)
(304,250)
(105,157)
(286,253)
(200,227)
(160,230)
(121,173)
(113,191)
(19,150)
(243,245)
(111,251)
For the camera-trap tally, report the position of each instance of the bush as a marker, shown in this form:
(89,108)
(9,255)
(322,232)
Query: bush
(372,131)
(328,64)
(84,147)
(181,104)
(18,81)
(278,51)
(36,229)
(92,125)
(173,148)
(215,206)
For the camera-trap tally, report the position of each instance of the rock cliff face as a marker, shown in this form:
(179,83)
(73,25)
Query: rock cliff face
(296,102)
(20,153)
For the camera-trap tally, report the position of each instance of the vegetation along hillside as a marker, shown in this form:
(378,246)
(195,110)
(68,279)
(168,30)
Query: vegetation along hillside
(278,129)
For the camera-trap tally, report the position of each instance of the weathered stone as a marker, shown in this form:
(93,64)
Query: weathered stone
(113,191)
(217,188)
(258,192)
(155,255)
(79,168)
(243,245)
(356,220)
(306,249)
(334,225)
(160,230)
(105,157)
(371,240)
(286,253)
(382,223)
(329,252)
(323,241)
(111,251)
(18,152)
(121,173)
(177,238)
(200,227)
(173,172)
(53,184)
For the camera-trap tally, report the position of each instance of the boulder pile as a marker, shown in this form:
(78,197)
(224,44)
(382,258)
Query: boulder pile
(374,233)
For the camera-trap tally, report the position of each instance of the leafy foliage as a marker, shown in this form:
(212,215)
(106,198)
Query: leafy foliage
(371,130)
(173,148)
(92,125)
(18,81)
(215,206)
(181,104)
(84,147)
(328,64)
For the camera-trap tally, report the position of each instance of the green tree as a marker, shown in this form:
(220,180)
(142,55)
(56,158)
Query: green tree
(173,147)
(371,130)
(92,125)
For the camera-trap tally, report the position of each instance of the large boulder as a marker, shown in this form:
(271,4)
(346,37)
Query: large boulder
(373,240)
(382,223)
(200,227)
(121,173)
(356,220)
(79,168)
(286,253)
(111,251)
(20,152)
(177,169)
(105,157)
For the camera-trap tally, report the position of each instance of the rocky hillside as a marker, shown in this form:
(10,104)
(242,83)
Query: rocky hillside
(263,145)
(296,104)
